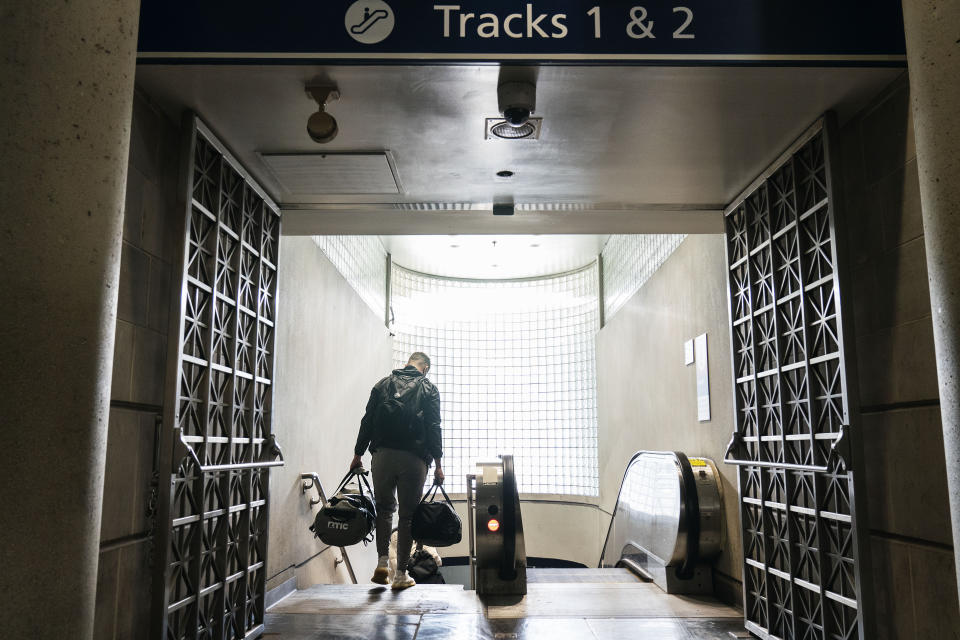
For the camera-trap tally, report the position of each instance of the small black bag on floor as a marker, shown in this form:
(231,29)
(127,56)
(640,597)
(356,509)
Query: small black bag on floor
(435,523)
(348,518)
(423,568)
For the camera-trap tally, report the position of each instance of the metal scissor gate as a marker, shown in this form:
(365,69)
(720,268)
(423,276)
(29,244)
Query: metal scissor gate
(797,437)
(211,543)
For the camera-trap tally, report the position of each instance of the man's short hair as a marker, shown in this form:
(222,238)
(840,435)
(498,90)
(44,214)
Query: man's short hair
(419,356)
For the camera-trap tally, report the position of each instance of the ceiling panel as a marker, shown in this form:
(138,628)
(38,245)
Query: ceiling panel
(306,175)
(613,138)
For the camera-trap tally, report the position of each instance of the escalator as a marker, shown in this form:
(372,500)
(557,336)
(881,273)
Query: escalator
(667,523)
(666,527)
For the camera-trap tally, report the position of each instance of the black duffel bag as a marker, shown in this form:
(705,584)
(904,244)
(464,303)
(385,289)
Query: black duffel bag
(436,523)
(423,568)
(348,518)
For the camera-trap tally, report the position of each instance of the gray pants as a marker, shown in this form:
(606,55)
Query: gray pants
(397,474)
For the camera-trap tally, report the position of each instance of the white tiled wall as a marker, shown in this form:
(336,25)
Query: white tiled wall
(514,363)
(628,261)
(362,260)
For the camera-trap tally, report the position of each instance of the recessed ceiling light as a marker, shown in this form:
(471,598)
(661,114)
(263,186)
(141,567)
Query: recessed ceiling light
(506,131)
(505,174)
(454,246)
(534,245)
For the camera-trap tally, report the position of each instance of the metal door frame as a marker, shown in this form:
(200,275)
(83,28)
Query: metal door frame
(211,578)
(823,549)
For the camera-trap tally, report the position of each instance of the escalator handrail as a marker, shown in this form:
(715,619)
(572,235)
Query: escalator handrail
(508,568)
(616,504)
(692,517)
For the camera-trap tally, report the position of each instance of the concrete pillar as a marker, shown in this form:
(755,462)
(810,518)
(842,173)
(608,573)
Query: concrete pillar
(933,55)
(66,77)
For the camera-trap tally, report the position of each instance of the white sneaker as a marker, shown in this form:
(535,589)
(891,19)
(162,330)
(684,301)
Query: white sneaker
(403,581)
(381,573)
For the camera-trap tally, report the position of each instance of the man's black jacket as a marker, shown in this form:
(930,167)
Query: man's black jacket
(428,444)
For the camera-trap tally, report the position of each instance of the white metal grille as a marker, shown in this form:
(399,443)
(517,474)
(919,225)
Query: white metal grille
(514,362)
(362,261)
(628,262)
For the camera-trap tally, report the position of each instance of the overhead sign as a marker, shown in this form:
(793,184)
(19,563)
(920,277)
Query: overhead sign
(868,32)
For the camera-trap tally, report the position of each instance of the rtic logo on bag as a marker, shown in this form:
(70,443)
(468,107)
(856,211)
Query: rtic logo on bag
(398,412)
(349,517)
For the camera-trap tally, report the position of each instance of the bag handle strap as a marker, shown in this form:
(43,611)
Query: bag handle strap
(360,473)
(429,494)
(445,496)
(343,482)
(432,492)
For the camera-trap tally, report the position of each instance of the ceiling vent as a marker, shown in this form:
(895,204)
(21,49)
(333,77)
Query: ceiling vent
(318,174)
(500,129)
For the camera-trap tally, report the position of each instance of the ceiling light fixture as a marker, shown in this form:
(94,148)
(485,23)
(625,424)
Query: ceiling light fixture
(322,127)
(499,128)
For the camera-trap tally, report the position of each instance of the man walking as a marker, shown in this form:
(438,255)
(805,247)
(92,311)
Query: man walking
(402,428)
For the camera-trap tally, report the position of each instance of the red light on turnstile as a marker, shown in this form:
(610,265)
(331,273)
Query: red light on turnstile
(493,525)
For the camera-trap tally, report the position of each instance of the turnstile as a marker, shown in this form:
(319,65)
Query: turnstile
(498,558)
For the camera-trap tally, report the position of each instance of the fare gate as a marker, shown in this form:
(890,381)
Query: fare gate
(211,543)
(796,441)
(497,553)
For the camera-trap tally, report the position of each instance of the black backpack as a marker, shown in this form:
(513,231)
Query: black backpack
(399,416)
(436,523)
(348,518)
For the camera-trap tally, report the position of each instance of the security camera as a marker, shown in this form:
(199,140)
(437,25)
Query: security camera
(517,100)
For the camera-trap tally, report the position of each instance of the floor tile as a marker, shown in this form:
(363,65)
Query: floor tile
(607,600)
(637,629)
(476,627)
(580,575)
(717,629)
(664,628)
(299,626)
(371,599)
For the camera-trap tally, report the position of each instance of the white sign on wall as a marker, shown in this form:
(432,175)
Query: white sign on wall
(695,352)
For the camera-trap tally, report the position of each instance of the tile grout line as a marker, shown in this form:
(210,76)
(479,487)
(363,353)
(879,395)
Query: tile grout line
(416,631)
